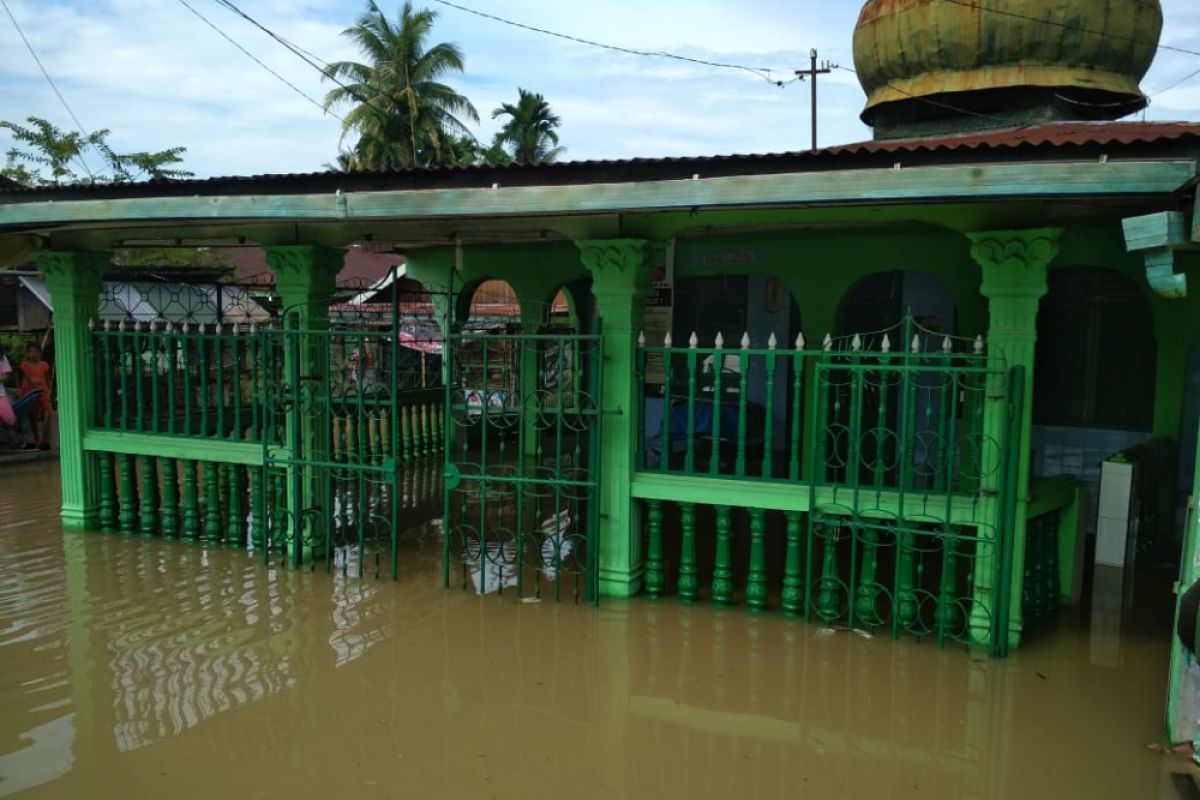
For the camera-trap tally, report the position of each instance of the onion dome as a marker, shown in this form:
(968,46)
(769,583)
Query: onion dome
(1027,60)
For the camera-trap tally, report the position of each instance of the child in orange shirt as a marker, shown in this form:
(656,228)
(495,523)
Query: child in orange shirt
(35,374)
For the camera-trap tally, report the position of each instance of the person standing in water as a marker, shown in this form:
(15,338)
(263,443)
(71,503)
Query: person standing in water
(35,375)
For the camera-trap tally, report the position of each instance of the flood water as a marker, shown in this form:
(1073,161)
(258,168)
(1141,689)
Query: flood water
(139,668)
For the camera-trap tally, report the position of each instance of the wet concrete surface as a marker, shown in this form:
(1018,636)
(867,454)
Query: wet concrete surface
(139,668)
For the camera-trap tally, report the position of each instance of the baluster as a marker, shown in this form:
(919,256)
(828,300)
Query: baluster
(687,556)
(946,615)
(155,341)
(149,495)
(191,502)
(405,434)
(169,495)
(281,528)
(426,433)
(793,570)
(127,509)
(107,507)
(219,379)
(756,576)
(655,580)
(829,587)
(185,352)
(258,516)
(222,499)
(212,503)
(906,614)
(235,526)
(722,582)
(865,607)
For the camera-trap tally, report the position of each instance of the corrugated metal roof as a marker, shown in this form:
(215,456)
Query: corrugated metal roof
(1026,139)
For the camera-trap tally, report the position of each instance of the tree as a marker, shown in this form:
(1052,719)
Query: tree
(400,109)
(529,134)
(42,145)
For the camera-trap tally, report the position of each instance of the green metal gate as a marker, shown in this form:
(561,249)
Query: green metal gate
(523,425)
(911,488)
(330,466)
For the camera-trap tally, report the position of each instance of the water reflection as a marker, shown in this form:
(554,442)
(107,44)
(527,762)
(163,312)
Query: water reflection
(133,667)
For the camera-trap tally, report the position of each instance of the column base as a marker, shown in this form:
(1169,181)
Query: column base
(621,583)
(80,519)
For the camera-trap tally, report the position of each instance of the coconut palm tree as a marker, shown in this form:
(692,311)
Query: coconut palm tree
(529,134)
(401,111)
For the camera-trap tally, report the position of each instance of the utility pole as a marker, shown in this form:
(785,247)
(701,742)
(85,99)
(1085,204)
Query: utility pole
(812,72)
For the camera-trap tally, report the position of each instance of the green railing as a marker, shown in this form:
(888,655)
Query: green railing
(856,485)
(192,380)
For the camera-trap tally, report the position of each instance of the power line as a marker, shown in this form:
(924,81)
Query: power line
(978,6)
(305,56)
(1179,82)
(256,60)
(762,72)
(49,80)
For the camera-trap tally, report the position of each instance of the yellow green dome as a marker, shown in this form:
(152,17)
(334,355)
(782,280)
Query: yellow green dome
(1100,50)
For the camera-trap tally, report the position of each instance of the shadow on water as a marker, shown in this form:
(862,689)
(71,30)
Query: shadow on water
(135,667)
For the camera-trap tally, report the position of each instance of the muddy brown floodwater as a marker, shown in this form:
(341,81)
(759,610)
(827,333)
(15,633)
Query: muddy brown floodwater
(143,668)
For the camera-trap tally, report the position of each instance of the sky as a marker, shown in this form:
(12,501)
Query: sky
(157,76)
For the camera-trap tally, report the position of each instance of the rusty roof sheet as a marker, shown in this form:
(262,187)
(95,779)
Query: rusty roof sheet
(1070,137)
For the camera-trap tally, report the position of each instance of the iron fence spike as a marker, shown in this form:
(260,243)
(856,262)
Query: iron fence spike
(693,341)
(887,344)
(799,341)
(667,340)
(979,345)
(856,343)
(947,345)
(719,341)
(641,338)
(772,342)
(827,344)
(745,340)
(916,343)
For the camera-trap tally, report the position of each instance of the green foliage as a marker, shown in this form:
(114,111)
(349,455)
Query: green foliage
(529,134)
(43,146)
(400,110)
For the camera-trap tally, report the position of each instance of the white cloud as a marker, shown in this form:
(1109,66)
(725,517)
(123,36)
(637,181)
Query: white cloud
(157,76)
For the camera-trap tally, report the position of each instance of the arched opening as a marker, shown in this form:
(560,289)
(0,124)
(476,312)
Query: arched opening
(493,305)
(1094,377)
(881,301)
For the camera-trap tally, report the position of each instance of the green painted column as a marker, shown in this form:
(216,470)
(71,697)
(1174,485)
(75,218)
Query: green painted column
(305,279)
(74,281)
(1014,266)
(620,279)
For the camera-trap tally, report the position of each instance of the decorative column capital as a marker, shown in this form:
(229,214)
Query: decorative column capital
(602,257)
(73,275)
(304,272)
(1014,262)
